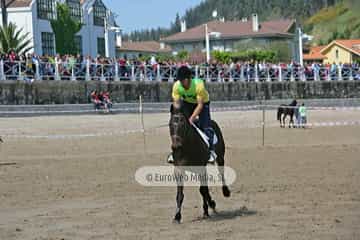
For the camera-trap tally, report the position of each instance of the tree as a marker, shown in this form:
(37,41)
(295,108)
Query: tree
(4,13)
(65,28)
(183,55)
(12,39)
(176,26)
(222,57)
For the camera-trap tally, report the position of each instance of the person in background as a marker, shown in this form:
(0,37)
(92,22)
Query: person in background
(297,116)
(107,101)
(95,100)
(303,115)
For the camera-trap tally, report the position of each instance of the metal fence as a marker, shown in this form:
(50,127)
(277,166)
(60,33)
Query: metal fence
(87,71)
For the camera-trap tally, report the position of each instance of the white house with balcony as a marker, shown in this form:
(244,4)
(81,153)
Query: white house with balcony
(93,39)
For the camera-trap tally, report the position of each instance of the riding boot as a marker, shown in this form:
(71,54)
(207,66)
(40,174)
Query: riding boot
(170,158)
(210,134)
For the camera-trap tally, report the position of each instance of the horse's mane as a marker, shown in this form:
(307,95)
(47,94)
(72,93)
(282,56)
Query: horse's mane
(180,110)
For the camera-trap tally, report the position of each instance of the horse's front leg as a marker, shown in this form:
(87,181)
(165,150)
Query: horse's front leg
(180,194)
(179,201)
(293,121)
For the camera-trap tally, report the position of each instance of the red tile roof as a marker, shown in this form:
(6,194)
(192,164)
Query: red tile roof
(315,53)
(234,29)
(351,44)
(145,46)
(18,3)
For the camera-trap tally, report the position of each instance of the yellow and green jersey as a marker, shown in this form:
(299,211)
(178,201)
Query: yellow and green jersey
(195,93)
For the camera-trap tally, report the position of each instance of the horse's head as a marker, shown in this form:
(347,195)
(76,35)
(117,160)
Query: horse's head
(178,125)
(293,103)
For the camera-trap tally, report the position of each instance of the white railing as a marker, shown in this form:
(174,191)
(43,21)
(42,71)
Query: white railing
(86,71)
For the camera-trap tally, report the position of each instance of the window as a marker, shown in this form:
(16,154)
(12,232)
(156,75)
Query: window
(78,44)
(99,13)
(75,9)
(337,54)
(46,9)
(101,46)
(48,43)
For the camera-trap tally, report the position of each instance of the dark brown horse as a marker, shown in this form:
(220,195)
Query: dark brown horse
(190,150)
(287,110)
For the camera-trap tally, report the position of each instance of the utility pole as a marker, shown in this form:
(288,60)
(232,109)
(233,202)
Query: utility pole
(207,43)
(4,13)
(301,57)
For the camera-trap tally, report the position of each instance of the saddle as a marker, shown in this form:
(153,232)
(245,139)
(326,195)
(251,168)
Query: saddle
(203,136)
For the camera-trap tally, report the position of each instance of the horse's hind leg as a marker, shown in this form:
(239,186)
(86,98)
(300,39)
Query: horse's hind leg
(284,120)
(204,190)
(225,188)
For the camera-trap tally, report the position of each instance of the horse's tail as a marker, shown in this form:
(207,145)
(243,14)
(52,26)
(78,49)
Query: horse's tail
(279,112)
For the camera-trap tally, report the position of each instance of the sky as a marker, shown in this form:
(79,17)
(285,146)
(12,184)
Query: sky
(143,14)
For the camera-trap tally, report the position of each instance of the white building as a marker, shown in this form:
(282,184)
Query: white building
(34,17)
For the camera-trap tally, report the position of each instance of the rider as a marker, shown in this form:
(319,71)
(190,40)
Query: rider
(191,94)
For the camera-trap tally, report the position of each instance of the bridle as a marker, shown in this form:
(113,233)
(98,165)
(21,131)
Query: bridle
(178,129)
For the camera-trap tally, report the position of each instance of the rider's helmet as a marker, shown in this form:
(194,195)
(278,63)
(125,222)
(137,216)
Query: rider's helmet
(184,73)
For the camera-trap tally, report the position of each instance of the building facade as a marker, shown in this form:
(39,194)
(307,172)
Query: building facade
(225,36)
(134,50)
(338,51)
(342,51)
(34,17)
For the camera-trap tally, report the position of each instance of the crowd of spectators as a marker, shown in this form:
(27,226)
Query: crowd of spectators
(32,66)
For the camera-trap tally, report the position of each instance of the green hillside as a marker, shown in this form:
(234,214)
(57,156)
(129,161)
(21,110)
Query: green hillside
(341,21)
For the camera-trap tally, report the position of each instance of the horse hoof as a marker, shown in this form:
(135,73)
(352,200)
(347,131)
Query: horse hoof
(212,204)
(177,218)
(226,191)
(206,216)
(176,221)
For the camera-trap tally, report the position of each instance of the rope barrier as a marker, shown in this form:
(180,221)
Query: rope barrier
(162,110)
(156,130)
(238,123)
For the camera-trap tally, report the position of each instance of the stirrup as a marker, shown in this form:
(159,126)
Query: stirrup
(170,159)
(212,157)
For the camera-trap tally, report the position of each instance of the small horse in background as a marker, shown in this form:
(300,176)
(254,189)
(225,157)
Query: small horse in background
(190,150)
(287,110)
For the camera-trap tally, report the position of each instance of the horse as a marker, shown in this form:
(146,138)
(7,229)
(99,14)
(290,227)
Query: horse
(189,149)
(284,111)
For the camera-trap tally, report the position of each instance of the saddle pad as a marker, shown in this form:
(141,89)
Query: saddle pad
(204,137)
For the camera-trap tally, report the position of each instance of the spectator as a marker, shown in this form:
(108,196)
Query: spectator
(106,101)
(78,67)
(95,100)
